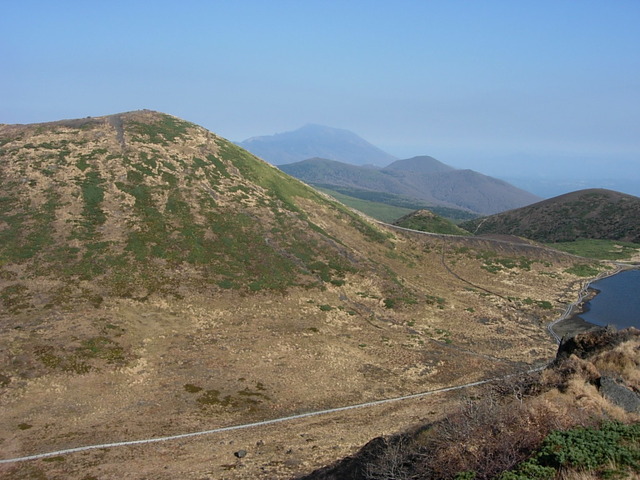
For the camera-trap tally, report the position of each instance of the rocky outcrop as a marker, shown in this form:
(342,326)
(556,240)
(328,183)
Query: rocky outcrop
(619,394)
(588,344)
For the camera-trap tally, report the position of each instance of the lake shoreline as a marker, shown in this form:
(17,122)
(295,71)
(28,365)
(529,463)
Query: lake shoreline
(571,323)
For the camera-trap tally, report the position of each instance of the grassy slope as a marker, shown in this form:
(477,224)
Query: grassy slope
(378,210)
(427,221)
(156,279)
(600,249)
(387,207)
(594,213)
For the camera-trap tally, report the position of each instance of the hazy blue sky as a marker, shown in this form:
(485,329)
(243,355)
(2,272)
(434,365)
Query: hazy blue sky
(477,84)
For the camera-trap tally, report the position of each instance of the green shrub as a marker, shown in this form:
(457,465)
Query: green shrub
(582,270)
(592,449)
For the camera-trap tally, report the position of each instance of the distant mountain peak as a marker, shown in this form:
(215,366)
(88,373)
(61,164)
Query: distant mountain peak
(420,164)
(314,140)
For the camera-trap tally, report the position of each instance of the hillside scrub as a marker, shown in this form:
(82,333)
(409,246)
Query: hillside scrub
(534,426)
(156,279)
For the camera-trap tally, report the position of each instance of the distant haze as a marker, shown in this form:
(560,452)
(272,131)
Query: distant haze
(316,141)
(545,175)
(545,92)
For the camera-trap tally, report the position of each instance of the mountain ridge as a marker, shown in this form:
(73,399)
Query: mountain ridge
(421,178)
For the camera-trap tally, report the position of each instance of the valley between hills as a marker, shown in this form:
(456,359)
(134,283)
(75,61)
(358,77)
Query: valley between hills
(156,280)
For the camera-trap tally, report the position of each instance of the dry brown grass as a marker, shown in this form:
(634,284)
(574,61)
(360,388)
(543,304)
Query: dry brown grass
(304,348)
(623,361)
(497,431)
(582,475)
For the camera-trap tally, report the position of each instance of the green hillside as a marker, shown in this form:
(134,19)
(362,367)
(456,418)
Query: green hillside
(388,207)
(378,210)
(600,249)
(142,203)
(427,221)
(585,214)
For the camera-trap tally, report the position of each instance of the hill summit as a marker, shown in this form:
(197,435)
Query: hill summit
(427,221)
(592,213)
(420,164)
(140,203)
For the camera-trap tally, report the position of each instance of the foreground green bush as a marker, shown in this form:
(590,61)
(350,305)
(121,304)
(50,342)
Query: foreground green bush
(611,450)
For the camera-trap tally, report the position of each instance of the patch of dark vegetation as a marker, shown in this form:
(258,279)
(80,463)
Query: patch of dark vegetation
(16,298)
(610,451)
(53,359)
(542,304)
(57,458)
(93,216)
(583,270)
(494,264)
(191,388)
(103,348)
(84,356)
(246,399)
(28,230)
(398,302)
(4,380)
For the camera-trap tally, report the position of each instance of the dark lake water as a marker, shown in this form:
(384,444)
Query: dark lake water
(618,302)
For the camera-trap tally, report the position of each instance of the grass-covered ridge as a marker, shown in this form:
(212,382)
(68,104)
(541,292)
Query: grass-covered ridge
(388,207)
(128,201)
(584,214)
